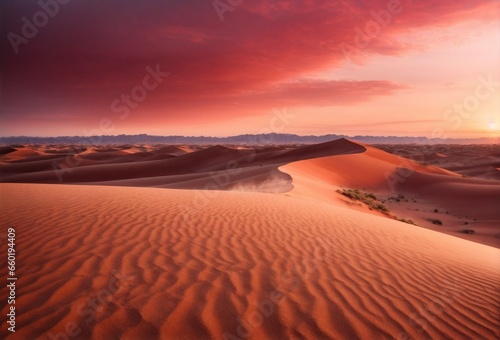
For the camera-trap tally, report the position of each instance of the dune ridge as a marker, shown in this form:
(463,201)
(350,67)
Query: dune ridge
(170,166)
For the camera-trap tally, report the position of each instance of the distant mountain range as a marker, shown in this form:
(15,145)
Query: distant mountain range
(247,139)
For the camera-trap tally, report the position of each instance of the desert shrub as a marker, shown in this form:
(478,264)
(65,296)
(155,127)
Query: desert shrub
(372,202)
(468,231)
(435,221)
(409,221)
(367,198)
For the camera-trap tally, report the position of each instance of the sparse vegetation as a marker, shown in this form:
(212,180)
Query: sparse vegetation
(409,221)
(400,198)
(435,221)
(436,210)
(468,231)
(372,202)
(367,198)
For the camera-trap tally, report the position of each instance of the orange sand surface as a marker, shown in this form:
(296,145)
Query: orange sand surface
(119,262)
(120,242)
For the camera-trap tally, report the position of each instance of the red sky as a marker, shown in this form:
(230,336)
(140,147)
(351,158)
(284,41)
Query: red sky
(416,68)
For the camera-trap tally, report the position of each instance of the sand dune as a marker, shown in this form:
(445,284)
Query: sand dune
(109,262)
(479,161)
(170,150)
(315,170)
(488,171)
(463,202)
(167,166)
(267,250)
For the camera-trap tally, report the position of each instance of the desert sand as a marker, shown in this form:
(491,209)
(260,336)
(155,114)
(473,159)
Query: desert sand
(461,202)
(119,249)
(481,160)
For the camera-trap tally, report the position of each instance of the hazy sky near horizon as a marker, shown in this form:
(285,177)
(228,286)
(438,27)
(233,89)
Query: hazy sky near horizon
(226,67)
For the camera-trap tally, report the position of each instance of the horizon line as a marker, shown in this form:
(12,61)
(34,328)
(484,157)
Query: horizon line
(251,134)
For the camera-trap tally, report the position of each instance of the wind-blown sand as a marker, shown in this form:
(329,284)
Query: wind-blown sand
(300,261)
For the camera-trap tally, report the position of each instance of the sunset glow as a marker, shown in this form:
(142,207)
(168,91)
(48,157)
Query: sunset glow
(250,169)
(403,68)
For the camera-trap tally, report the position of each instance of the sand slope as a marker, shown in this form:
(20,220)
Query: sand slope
(462,202)
(109,262)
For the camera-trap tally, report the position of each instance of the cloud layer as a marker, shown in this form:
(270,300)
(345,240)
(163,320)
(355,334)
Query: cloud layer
(260,56)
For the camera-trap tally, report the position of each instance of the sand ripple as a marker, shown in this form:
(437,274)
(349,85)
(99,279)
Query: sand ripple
(110,262)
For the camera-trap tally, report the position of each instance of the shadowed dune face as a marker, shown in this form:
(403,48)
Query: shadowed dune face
(6,149)
(145,263)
